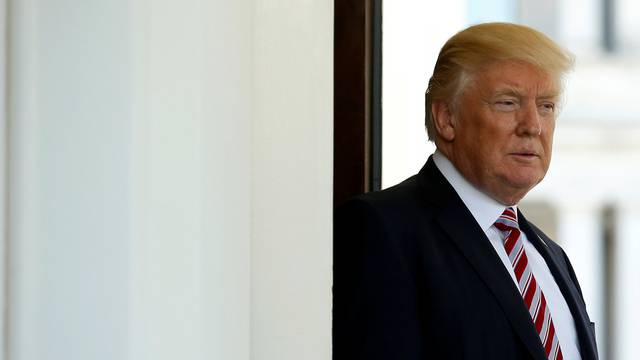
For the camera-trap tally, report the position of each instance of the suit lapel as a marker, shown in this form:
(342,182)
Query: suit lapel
(569,291)
(456,220)
(474,245)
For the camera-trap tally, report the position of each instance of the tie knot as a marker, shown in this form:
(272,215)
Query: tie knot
(507,221)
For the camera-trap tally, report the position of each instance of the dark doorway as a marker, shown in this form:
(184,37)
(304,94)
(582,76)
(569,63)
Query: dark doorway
(357,98)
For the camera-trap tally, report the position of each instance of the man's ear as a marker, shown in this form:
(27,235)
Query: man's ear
(443,120)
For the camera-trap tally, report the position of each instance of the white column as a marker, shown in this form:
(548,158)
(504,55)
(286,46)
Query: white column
(193,103)
(69,171)
(626,296)
(129,179)
(291,182)
(580,233)
(170,180)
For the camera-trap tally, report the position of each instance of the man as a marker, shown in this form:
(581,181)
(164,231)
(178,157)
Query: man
(444,265)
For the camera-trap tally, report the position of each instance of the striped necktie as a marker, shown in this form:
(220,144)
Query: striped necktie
(533,297)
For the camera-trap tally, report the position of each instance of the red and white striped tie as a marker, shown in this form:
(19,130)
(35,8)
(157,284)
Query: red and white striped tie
(529,289)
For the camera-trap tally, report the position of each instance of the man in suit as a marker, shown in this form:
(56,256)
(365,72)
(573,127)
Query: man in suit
(444,265)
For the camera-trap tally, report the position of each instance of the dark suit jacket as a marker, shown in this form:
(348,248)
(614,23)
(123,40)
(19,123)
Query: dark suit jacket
(415,277)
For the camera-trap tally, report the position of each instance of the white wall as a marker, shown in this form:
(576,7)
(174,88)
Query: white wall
(170,179)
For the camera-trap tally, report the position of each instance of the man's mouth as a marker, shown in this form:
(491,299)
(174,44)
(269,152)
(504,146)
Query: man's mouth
(526,155)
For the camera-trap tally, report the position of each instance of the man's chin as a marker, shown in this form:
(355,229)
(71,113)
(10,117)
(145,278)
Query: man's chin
(520,187)
(525,175)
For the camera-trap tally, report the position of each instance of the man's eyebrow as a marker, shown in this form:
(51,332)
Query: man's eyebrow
(549,95)
(511,91)
(507,91)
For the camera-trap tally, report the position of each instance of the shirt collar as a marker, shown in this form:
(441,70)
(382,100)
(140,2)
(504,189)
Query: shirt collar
(483,208)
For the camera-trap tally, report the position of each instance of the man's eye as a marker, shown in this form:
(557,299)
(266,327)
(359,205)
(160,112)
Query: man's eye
(506,105)
(547,108)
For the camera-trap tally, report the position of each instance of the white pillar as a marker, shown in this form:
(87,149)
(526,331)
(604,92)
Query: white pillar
(580,233)
(192,73)
(626,296)
(69,210)
(291,181)
(170,180)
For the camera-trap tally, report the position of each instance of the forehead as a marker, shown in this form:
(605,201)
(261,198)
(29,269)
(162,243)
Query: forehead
(517,77)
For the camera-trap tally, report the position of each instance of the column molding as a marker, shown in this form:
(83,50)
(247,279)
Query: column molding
(4,178)
(626,295)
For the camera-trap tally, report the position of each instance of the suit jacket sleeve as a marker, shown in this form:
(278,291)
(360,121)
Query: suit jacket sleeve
(375,311)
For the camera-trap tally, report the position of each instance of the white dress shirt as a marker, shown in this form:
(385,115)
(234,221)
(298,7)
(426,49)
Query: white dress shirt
(486,211)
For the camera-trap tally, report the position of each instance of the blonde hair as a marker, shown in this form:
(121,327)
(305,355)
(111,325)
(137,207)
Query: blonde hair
(469,50)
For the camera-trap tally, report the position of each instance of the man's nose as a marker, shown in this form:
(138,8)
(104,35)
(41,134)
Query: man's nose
(529,122)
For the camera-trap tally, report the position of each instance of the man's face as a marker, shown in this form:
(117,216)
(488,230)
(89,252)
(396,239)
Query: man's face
(503,129)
